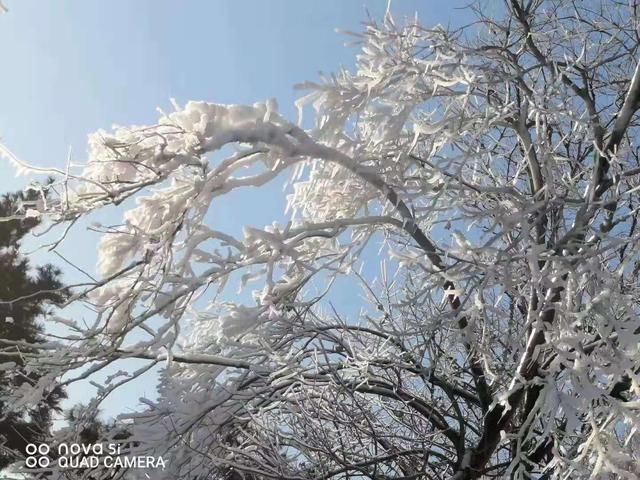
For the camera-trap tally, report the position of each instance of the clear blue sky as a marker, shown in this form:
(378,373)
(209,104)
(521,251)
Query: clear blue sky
(69,67)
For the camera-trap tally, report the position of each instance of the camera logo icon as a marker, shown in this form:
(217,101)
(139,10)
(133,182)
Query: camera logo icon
(37,456)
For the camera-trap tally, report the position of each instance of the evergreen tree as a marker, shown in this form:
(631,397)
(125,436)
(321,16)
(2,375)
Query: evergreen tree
(26,294)
(85,427)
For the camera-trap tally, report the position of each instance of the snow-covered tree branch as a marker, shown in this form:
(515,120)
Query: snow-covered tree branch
(493,172)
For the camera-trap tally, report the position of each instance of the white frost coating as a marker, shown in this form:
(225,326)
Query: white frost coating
(432,282)
(238,320)
(115,300)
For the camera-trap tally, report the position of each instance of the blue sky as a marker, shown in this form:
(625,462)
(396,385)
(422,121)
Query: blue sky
(70,67)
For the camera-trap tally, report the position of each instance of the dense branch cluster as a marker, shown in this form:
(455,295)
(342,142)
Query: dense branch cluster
(493,172)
